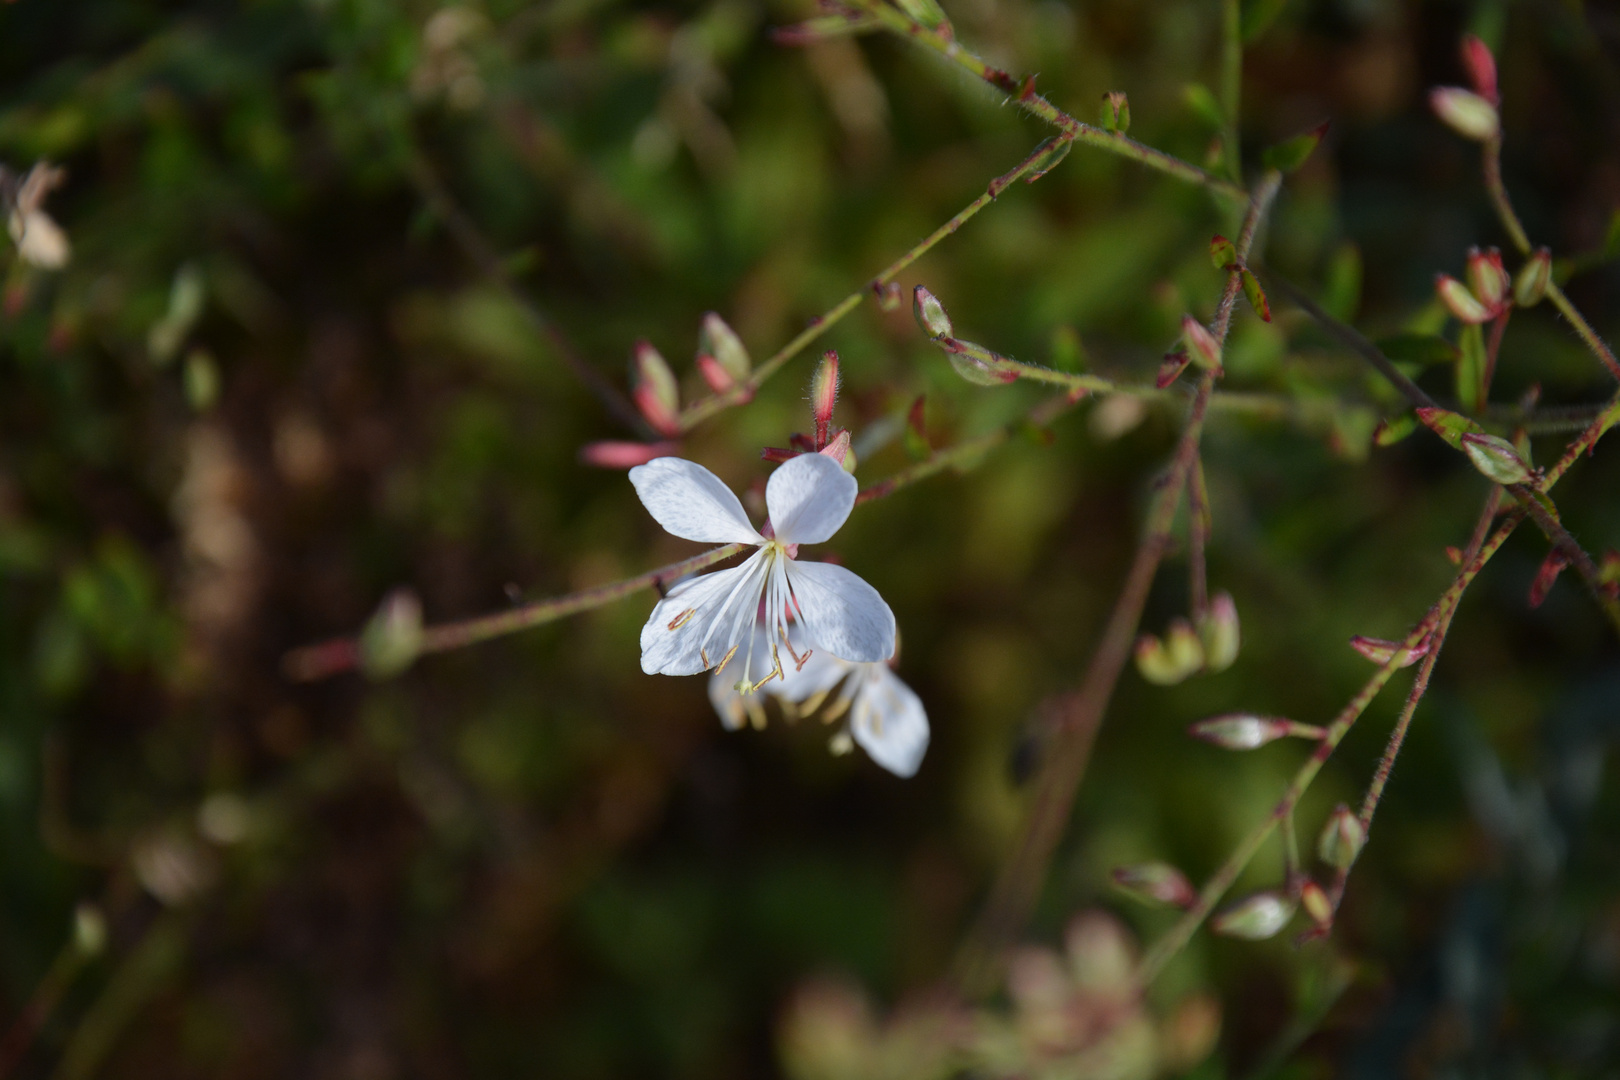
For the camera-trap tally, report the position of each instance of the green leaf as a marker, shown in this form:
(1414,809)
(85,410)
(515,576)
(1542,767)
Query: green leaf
(1256,295)
(1203,103)
(1423,349)
(1288,156)
(1395,428)
(1471,368)
(1449,426)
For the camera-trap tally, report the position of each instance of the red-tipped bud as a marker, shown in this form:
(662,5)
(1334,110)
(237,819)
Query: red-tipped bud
(1222,252)
(1487,279)
(1171,367)
(718,378)
(1534,276)
(824,394)
(887,296)
(1550,569)
(1254,917)
(1218,631)
(1202,347)
(720,341)
(930,313)
(1462,304)
(1342,838)
(1155,883)
(1316,905)
(1496,458)
(1465,112)
(654,390)
(1481,65)
(610,454)
(1380,651)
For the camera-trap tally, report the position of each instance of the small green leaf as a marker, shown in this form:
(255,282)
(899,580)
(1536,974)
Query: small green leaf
(1222,252)
(1449,426)
(1395,428)
(1256,295)
(1288,156)
(1203,103)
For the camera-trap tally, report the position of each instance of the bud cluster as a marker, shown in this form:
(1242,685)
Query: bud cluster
(1185,650)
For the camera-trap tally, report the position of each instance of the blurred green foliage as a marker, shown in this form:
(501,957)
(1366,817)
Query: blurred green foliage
(276,379)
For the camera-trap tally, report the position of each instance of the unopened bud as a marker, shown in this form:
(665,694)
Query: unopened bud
(1171,367)
(1255,917)
(615,454)
(1551,567)
(1222,252)
(1156,883)
(1240,731)
(1380,651)
(89,930)
(1531,284)
(1495,457)
(930,313)
(1116,112)
(1342,838)
(720,341)
(1175,658)
(1481,65)
(1202,347)
(1487,279)
(1219,633)
(654,389)
(887,295)
(392,640)
(1462,304)
(824,394)
(838,449)
(1465,112)
(1318,908)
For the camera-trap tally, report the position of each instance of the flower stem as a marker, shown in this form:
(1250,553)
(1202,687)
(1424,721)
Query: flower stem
(1078,715)
(1024,94)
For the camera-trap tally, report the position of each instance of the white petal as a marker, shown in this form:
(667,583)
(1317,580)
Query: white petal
(691,502)
(809,498)
(841,613)
(701,640)
(889,722)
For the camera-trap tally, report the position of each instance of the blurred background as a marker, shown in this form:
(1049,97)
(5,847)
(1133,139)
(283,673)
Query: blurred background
(329,261)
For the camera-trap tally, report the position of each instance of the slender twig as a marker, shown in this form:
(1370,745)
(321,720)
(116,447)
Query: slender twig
(1079,714)
(1181,932)
(744,391)
(1023,92)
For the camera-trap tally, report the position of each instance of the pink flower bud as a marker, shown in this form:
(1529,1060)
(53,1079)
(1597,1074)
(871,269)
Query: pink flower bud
(1156,883)
(1379,651)
(611,454)
(1219,633)
(930,313)
(1459,301)
(840,452)
(718,378)
(654,390)
(1342,838)
(1481,65)
(1531,284)
(1202,347)
(824,394)
(1254,917)
(1465,112)
(1487,280)
(720,341)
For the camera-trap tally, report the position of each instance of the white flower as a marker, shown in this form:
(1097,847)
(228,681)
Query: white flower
(703,624)
(886,718)
(39,239)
